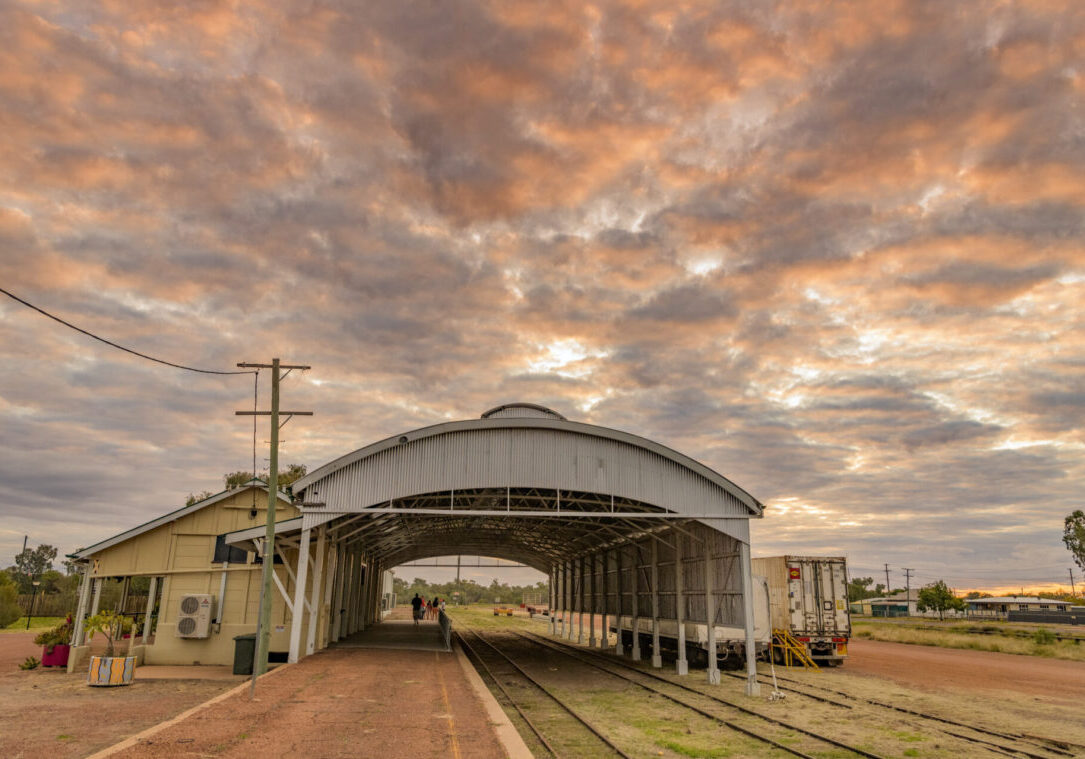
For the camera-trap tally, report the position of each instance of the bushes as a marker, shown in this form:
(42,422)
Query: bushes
(9,606)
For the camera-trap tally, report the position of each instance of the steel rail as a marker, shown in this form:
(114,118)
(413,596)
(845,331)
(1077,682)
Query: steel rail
(931,717)
(538,734)
(569,651)
(595,731)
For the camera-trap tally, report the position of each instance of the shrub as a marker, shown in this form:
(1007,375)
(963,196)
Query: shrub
(30,663)
(61,635)
(111,624)
(1043,637)
(9,601)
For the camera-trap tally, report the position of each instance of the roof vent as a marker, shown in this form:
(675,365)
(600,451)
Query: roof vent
(521,410)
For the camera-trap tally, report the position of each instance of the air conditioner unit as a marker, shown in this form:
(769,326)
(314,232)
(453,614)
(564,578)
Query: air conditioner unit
(194,619)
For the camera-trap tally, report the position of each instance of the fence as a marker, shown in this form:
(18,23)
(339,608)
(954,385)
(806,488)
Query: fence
(1047,617)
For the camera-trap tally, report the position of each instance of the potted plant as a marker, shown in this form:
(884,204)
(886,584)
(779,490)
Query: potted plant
(110,669)
(55,644)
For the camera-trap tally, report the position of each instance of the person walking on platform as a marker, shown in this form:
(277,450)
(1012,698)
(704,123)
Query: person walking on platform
(416,605)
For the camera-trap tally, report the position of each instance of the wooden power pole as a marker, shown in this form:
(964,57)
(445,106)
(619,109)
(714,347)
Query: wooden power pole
(263,627)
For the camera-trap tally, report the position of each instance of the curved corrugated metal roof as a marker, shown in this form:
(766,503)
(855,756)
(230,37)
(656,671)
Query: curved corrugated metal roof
(523,451)
(558,481)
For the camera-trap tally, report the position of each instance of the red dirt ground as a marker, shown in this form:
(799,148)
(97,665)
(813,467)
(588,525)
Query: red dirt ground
(48,713)
(963,670)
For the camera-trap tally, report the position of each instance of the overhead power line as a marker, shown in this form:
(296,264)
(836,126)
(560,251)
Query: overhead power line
(113,344)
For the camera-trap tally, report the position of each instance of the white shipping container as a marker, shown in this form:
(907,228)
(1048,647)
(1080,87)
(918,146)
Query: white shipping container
(808,597)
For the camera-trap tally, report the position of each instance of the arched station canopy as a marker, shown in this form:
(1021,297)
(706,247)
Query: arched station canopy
(523,483)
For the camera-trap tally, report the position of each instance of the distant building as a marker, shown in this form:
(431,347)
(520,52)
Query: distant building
(1005,604)
(900,604)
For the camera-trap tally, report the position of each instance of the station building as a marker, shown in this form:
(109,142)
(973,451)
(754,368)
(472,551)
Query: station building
(627,529)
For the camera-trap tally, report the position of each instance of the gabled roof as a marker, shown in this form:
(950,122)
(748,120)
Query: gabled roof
(84,553)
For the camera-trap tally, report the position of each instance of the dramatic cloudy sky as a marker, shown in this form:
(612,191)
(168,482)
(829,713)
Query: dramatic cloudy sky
(833,251)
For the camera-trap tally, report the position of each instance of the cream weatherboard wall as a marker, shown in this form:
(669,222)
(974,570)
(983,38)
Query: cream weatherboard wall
(180,553)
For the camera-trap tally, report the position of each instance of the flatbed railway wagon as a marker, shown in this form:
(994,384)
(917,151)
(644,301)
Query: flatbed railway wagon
(808,599)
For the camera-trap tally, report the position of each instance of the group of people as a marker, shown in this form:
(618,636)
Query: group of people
(424,609)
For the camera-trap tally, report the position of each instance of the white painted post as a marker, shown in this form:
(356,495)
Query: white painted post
(314,594)
(337,595)
(561,600)
(604,639)
(78,635)
(580,601)
(150,608)
(710,612)
(553,604)
(97,596)
(635,653)
(298,613)
(657,657)
(594,603)
(324,635)
(570,573)
(682,664)
(363,606)
(619,649)
(753,688)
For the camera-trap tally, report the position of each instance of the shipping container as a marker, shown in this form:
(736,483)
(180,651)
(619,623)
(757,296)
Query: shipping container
(808,598)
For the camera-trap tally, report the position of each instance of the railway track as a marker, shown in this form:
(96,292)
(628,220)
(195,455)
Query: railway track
(559,729)
(991,741)
(754,724)
(1019,744)
(776,737)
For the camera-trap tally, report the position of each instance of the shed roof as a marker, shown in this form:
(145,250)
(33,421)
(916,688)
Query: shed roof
(522,483)
(84,553)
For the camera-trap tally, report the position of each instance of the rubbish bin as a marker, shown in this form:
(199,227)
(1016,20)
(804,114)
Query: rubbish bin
(244,653)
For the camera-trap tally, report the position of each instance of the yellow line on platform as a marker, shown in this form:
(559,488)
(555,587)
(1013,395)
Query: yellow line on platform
(448,710)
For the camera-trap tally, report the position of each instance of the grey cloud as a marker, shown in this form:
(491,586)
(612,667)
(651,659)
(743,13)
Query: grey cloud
(948,432)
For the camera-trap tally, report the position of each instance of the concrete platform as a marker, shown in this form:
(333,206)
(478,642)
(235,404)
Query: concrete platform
(398,634)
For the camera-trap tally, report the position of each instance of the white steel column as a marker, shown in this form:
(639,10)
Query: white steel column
(682,664)
(753,688)
(298,613)
(331,568)
(78,634)
(150,609)
(553,601)
(97,596)
(561,599)
(594,603)
(363,606)
(337,596)
(635,653)
(580,600)
(604,639)
(657,657)
(571,606)
(619,649)
(710,613)
(315,593)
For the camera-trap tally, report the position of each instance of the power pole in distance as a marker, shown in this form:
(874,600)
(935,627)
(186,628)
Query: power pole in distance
(1073,588)
(263,626)
(887,586)
(908,589)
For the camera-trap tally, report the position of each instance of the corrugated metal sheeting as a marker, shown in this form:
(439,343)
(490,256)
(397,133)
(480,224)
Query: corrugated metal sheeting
(596,486)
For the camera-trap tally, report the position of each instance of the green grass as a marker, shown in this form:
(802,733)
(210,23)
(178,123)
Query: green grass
(36,623)
(999,638)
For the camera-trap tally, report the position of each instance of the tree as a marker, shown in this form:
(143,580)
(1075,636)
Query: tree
(235,480)
(197,498)
(1073,535)
(938,597)
(9,601)
(859,588)
(32,562)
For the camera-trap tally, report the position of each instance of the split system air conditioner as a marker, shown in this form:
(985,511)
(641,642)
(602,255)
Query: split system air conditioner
(194,619)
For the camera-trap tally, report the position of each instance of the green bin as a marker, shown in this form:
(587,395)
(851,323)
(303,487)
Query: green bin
(244,653)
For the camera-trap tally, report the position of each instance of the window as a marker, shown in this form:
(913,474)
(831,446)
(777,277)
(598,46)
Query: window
(224,552)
